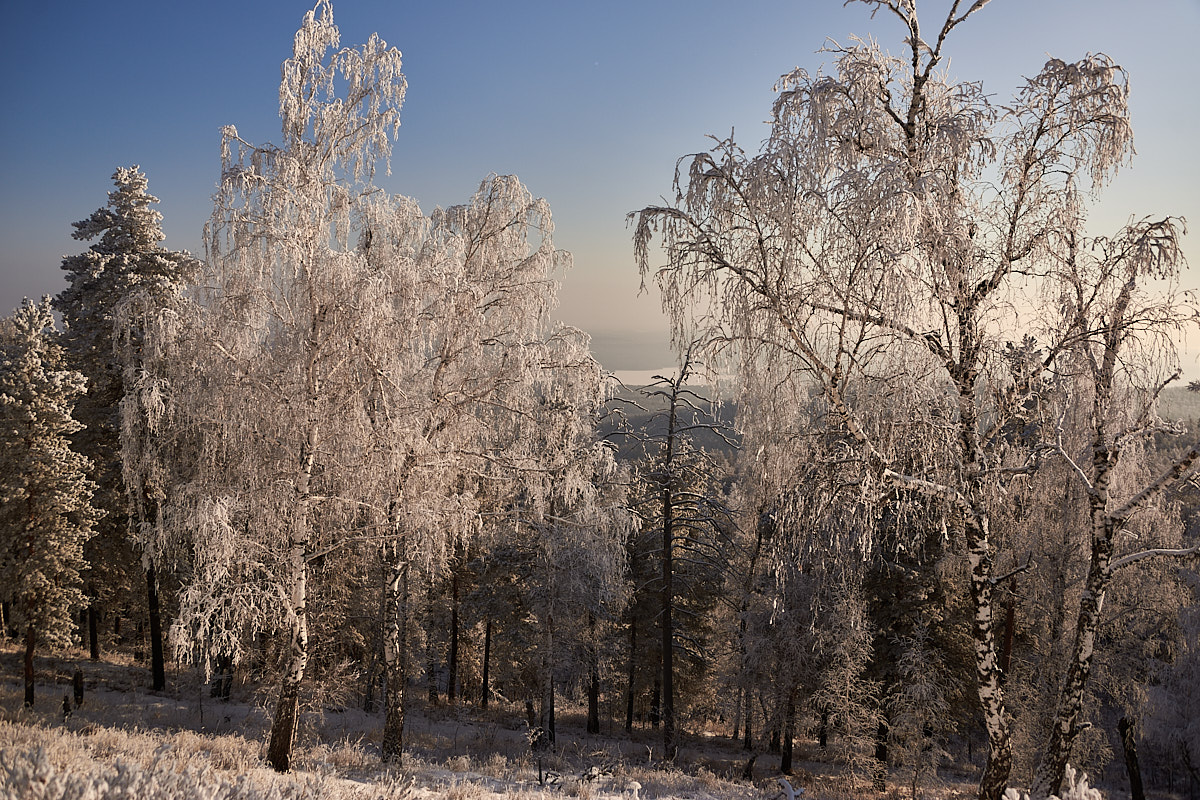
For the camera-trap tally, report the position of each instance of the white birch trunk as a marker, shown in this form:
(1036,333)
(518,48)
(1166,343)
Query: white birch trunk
(283,726)
(394,652)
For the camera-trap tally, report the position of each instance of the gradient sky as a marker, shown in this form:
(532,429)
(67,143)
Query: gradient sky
(589,103)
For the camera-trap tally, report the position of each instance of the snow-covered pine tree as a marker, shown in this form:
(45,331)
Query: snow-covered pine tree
(126,259)
(46,514)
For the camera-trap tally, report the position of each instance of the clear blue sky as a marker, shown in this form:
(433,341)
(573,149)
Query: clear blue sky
(589,103)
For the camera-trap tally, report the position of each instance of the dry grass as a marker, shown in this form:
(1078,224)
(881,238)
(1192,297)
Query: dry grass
(182,743)
(55,763)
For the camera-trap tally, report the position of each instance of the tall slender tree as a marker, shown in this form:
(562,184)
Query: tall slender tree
(573,520)
(46,514)
(1124,356)
(447,406)
(286,293)
(126,258)
(690,518)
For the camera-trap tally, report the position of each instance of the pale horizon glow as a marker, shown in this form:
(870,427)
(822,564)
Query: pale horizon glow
(590,105)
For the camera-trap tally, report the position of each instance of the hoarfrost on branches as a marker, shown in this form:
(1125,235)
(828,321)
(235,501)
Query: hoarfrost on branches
(284,303)
(355,379)
(894,230)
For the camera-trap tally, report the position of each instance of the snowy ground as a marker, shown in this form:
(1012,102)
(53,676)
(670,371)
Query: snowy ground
(182,743)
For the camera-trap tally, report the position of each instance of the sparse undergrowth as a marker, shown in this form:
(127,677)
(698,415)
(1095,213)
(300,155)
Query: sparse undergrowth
(127,742)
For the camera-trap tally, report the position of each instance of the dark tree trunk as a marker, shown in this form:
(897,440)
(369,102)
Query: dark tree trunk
(747,738)
(670,745)
(771,717)
(486,694)
(222,686)
(761,531)
(655,701)
(372,672)
(157,661)
(452,680)
(789,732)
(261,653)
(1129,745)
(737,718)
(369,681)
(283,726)
(1010,624)
(368,701)
(549,661)
(881,755)
(430,651)
(30,641)
(548,711)
(593,719)
(593,723)
(823,729)
(93,632)
(629,691)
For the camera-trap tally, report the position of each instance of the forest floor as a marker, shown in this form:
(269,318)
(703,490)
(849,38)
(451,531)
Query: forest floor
(127,741)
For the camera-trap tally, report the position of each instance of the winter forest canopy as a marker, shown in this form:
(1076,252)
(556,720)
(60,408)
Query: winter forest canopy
(911,499)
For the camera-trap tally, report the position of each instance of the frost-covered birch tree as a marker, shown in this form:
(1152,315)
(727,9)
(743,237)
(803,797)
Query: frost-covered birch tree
(1124,323)
(470,354)
(887,235)
(286,295)
(358,369)
(46,514)
(571,512)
